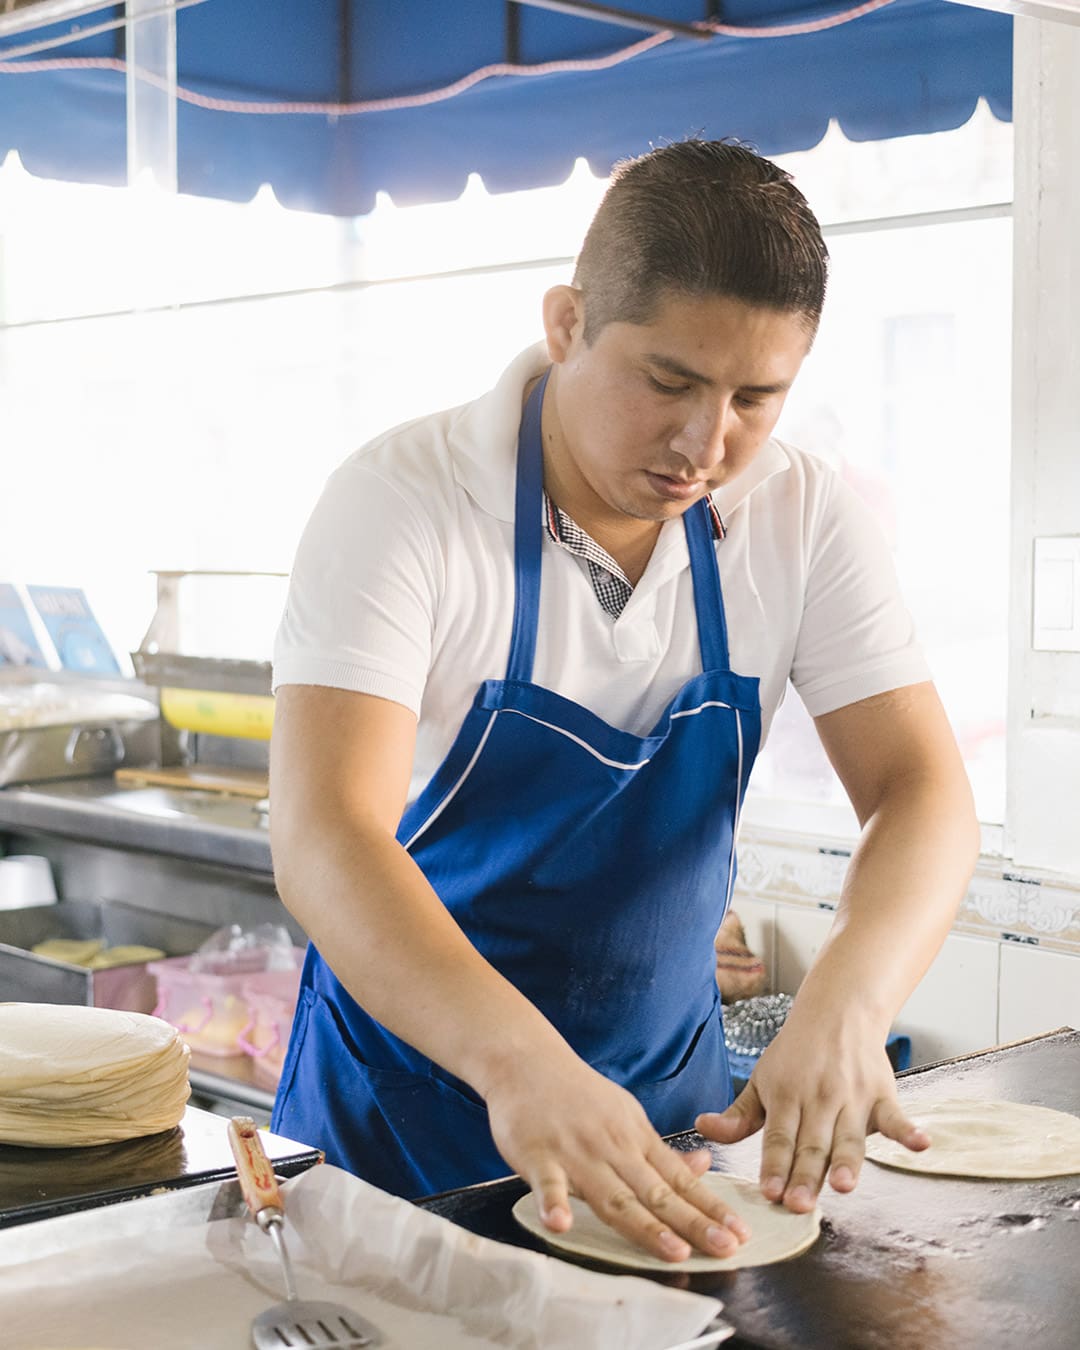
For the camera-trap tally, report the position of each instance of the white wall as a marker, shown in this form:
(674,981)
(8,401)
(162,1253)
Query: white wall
(1043,802)
(978,992)
(1009,969)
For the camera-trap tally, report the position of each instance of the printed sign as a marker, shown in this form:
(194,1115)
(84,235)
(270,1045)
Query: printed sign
(75,633)
(18,642)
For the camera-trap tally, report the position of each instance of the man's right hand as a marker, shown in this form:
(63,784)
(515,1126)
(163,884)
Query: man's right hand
(567,1129)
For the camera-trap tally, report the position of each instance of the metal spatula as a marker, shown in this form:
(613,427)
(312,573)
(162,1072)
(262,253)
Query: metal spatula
(303,1323)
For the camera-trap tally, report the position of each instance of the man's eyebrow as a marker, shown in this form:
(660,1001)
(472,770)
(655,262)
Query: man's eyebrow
(673,367)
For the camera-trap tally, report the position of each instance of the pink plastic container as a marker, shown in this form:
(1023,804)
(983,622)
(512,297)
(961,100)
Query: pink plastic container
(208,1010)
(271,998)
(211,1011)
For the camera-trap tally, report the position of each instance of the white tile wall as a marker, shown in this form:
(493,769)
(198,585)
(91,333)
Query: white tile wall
(800,933)
(1039,991)
(953,1010)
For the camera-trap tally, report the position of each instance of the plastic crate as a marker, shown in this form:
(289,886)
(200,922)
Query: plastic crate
(210,1010)
(271,998)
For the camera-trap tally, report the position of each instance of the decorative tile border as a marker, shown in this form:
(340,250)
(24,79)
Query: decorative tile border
(1002,904)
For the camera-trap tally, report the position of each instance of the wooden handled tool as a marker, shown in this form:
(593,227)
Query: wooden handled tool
(315,1325)
(257,1180)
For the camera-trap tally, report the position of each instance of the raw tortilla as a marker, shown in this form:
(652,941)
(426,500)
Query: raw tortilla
(93,953)
(776,1233)
(75,1076)
(986,1139)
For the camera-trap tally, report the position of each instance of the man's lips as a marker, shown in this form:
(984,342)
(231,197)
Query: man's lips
(675,489)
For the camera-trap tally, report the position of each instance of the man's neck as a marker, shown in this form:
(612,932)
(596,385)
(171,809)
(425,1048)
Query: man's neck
(629,541)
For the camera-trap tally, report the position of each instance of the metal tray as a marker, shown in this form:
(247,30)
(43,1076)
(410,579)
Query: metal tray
(106,727)
(25,977)
(223,675)
(195,1206)
(77,749)
(40,1183)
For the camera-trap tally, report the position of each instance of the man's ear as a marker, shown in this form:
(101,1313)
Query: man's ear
(564,320)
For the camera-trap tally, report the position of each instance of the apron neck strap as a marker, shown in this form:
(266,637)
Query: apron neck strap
(528,537)
(528,541)
(708,597)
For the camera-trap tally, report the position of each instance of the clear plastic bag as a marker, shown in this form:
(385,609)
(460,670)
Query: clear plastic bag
(234,950)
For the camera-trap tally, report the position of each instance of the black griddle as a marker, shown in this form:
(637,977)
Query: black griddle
(905,1262)
(40,1183)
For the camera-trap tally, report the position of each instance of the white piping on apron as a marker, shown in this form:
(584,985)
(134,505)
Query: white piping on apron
(611,763)
(693,712)
(738,811)
(614,763)
(454,790)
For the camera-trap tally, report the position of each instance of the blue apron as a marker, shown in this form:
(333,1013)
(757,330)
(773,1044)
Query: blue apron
(589,866)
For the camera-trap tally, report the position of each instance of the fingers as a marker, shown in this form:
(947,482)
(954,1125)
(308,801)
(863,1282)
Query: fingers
(888,1117)
(549,1186)
(744,1116)
(663,1206)
(607,1153)
(798,1149)
(849,1146)
(699,1161)
(826,1141)
(795,1146)
(778,1145)
(849,1139)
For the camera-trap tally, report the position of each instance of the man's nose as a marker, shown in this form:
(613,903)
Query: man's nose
(702,438)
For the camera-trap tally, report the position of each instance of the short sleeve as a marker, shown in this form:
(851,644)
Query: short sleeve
(856,638)
(363,592)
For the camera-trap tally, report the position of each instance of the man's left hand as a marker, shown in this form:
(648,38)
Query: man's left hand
(817,1091)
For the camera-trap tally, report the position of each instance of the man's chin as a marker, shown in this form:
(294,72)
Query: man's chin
(657,510)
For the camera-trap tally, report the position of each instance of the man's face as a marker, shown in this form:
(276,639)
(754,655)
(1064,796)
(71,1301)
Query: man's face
(653,416)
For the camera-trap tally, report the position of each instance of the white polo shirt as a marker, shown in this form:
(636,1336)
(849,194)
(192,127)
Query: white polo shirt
(403,586)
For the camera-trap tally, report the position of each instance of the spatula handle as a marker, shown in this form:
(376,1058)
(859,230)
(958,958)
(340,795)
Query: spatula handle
(257,1180)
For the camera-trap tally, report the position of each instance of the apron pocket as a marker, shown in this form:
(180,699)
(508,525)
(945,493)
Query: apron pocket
(643,1091)
(297,1036)
(405,1132)
(700,1082)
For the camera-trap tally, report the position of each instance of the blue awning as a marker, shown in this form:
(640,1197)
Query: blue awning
(250,72)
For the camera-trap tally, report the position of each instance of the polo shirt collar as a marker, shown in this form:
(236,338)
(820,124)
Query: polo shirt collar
(483,438)
(483,444)
(767,463)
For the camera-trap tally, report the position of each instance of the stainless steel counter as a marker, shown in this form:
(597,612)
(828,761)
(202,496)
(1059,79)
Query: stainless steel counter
(203,827)
(229,1087)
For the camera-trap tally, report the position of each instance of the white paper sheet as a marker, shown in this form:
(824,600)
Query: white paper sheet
(426,1283)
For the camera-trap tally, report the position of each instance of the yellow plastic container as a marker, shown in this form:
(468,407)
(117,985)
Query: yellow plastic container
(219,714)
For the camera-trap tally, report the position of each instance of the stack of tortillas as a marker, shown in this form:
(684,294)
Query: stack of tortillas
(75,1076)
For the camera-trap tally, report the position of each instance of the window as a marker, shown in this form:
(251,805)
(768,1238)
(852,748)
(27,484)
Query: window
(178,377)
(906,393)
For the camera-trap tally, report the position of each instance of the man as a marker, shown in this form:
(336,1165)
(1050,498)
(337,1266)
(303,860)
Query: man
(511,744)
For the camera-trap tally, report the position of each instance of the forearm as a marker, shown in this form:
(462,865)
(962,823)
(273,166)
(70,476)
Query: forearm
(907,877)
(394,946)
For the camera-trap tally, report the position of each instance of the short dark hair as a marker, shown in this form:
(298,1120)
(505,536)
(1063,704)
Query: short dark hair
(700,218)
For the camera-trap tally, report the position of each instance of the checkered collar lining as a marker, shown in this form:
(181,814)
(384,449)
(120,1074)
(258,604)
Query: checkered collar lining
(610,584)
